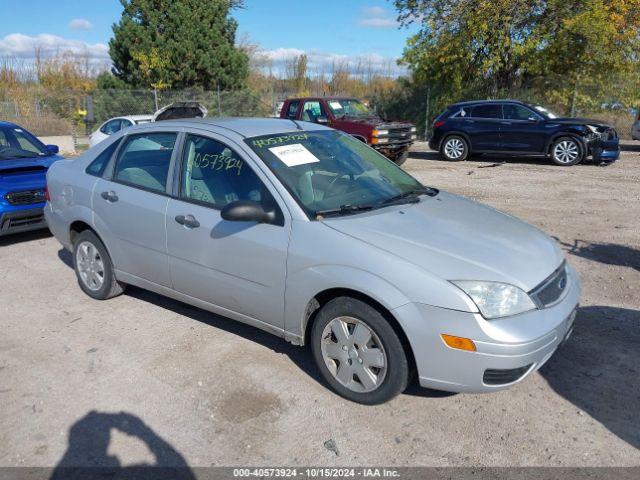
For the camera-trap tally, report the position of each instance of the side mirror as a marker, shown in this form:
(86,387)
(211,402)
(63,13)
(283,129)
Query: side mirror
(53,149)
(322,120)
(533,119)
(247,211)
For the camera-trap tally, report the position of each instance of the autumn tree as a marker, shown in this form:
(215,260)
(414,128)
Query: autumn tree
(178,44)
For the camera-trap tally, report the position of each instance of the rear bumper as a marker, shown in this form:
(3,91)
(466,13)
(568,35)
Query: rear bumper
(17,221)
(508,349)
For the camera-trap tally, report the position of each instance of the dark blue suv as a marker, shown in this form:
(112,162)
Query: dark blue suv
(511,127)
(24,161)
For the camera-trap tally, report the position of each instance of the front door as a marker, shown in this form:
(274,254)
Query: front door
(238,266)
(130,204)
(523,130)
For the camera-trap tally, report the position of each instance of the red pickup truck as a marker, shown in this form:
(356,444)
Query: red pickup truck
(350,115)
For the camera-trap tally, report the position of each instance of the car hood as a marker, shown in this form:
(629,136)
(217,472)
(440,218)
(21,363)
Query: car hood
(25,173)
(458,239)
(581,121)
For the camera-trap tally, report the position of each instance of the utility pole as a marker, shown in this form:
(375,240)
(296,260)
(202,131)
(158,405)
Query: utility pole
(427,114)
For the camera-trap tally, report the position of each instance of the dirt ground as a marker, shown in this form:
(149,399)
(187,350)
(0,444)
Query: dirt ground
(143,379)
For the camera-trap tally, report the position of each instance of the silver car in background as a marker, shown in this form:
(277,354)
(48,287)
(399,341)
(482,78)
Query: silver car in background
(309,234)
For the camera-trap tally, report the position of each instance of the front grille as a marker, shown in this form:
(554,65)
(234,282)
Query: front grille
(398,134)
(551,289)
(25,198)
(494,376)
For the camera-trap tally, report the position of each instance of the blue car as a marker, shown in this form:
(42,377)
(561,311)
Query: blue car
(24,161)
(510,127)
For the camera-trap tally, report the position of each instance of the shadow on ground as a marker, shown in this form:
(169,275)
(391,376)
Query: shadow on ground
(607,253)
(87,454)
(630,147)
(494,160)
(598,369)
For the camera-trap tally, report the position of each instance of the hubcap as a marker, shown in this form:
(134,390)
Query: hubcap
(454,148)
(354,354)
(566,151)
(90,265)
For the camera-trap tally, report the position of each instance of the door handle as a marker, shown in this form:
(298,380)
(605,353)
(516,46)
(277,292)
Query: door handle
(109,196)
(188,221)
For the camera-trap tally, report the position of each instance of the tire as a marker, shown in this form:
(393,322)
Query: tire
(93,267)
(567,151)
(400,159)
(455,148)
(373,368)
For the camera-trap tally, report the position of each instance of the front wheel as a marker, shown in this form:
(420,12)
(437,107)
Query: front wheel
(358,352)
(455,148)
(566,151)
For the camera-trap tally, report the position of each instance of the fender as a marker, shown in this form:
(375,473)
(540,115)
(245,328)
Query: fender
(303,285)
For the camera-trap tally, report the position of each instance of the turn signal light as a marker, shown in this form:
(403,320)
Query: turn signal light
(459,343)
(47,197)
(438,124)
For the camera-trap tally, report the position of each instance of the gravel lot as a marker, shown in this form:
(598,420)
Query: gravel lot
(144,379)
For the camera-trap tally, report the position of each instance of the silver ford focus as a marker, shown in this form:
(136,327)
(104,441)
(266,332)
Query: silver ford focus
(309,234)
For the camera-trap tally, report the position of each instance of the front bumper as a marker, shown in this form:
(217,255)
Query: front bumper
(17,221)
(605,151)
(508,349)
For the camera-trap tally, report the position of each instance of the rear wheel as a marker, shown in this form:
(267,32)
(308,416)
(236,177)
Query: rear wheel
(358,352)
(455,148)
(93,267)
(567,151)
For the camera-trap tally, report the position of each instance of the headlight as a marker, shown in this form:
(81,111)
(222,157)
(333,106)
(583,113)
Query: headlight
(377,133)
(495,299)
(377,140)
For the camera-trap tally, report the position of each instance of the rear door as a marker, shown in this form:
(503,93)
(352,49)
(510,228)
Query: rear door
(130,203)
(482,124)
(238,266)
(523,130)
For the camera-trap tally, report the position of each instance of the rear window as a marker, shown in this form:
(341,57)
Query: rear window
(144,161)
(486,111)
(96,168)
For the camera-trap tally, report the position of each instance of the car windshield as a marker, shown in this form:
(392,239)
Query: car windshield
(331,173)
(348,107)
(16,142)
(544,111)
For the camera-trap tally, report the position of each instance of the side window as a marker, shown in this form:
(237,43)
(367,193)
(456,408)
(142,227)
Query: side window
(144,161)
(111,127)
(293,109)
(518,112)
(486,111)
(312,110)
(96,168)
(214,174)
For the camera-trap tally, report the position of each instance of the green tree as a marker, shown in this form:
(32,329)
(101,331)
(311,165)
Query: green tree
(492,47)
(178,43)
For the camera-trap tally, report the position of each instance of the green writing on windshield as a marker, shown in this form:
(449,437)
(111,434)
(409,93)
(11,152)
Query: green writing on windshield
(278,140)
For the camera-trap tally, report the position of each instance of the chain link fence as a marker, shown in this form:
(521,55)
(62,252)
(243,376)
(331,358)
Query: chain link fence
(67,112)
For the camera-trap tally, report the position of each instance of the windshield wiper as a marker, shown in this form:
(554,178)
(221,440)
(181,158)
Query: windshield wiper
(412,196)
(343,209)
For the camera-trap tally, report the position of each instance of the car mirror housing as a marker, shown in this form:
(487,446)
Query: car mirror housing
(53,149)
(247,211)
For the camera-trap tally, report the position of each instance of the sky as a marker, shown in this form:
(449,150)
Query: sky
(326,30)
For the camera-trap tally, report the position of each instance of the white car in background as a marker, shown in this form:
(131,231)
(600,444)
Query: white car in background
(116,124)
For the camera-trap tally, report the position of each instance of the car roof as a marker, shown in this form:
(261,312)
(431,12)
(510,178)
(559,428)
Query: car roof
(486,102)
(4,123)
(133,117)
(243,126)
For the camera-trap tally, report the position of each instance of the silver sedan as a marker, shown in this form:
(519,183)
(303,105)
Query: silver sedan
(309,234)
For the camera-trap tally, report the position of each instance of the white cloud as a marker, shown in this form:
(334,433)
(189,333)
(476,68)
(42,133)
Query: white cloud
(320,62)
(377,17)
(25,46)
(80,24)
